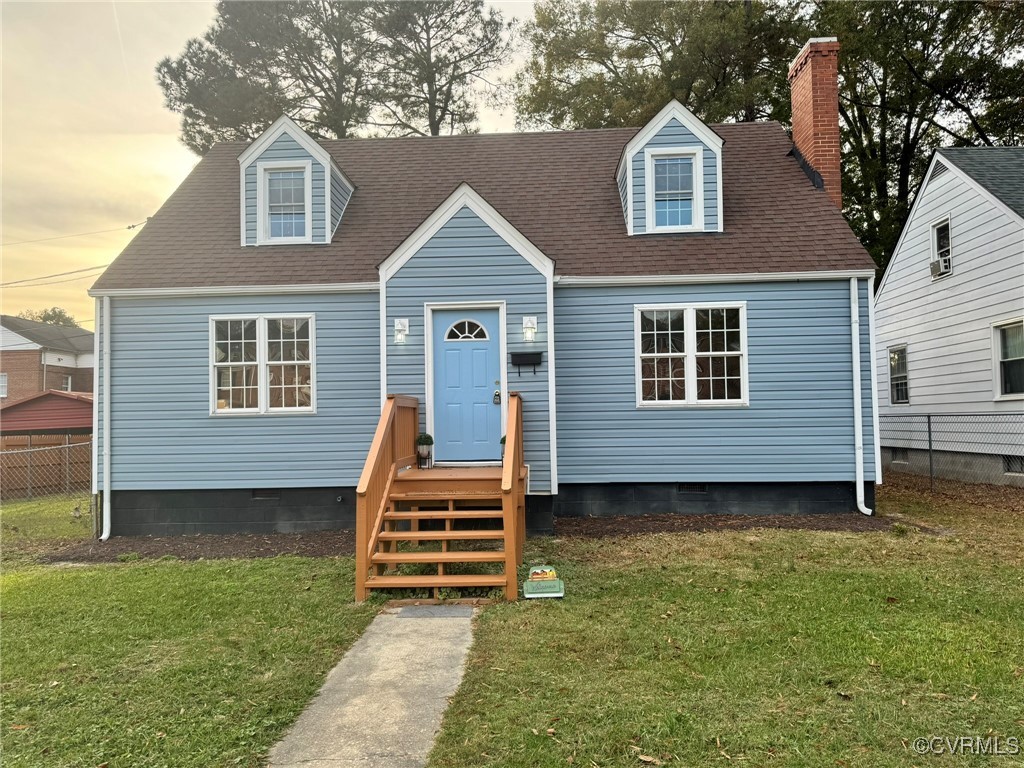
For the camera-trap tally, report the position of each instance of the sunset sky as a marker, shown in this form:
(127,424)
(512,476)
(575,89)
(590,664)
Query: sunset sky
(87,144)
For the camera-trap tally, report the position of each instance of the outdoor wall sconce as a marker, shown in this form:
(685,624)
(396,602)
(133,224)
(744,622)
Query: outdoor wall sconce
(529,329)
(401,330)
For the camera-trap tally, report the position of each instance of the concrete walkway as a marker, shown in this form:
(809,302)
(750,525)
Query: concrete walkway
(382,704)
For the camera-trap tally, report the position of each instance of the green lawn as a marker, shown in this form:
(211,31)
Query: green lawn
(754,648)
(31,524)
(167,663)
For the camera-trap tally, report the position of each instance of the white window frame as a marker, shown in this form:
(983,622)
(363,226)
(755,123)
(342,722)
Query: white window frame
(262,363)
(933,234)
(66,384)
(997,355)
(888,367)
(659,153)
(263,169)
(691,354)
(3,384)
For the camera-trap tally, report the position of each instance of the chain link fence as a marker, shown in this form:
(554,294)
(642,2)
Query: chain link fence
(45,492)
(966,447)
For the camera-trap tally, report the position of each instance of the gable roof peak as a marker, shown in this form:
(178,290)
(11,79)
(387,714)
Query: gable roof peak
(284,124)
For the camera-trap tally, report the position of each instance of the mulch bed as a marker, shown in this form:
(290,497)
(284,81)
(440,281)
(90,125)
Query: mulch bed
(602,527)
(207,547)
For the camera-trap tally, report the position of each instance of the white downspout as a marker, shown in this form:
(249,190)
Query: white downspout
(858,418)
(105,534)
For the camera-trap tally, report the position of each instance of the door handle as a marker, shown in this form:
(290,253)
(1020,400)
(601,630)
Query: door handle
(497,397)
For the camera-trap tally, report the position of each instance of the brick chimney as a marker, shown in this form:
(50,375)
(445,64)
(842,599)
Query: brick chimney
(814,92)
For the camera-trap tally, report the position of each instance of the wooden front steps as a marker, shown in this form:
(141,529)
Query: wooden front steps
(438,528)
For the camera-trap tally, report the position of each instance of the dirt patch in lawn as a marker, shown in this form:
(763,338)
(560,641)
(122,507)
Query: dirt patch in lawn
(206,547)
(599,527)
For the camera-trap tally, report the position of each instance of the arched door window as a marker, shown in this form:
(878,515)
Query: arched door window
(466,330)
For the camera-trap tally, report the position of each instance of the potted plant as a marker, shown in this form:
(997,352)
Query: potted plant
(424,443)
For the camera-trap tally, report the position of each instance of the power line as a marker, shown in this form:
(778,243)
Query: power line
(77,234)
(57,274)
(53,282)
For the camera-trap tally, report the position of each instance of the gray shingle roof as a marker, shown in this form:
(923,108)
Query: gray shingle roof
(556,188)
(56,337)
(1000,170)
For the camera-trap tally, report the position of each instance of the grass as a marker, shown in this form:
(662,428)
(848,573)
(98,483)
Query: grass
(31,523)
(168,663)
(758,648)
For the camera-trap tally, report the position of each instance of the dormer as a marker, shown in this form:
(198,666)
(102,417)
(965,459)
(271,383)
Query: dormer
(292,191)
(669,176)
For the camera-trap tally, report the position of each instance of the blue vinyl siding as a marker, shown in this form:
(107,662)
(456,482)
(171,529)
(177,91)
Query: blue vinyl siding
(286,148)
(674,134)
(467,261)
(623,184)
(164,436)
(798,426)
(340,194)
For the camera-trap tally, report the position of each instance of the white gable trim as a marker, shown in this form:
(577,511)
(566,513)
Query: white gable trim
(963,175)
(672,110)
(464,197)
(282,125)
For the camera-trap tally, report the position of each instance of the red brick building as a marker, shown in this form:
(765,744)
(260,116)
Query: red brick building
(36,357)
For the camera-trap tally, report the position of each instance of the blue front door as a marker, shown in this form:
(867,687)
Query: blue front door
(467,374)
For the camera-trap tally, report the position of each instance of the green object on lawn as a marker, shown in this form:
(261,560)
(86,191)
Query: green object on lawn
(543,581)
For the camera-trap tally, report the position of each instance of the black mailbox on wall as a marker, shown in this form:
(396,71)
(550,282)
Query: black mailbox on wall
(532,359)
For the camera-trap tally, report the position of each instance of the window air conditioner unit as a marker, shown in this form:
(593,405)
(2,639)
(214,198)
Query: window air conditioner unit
(942,266)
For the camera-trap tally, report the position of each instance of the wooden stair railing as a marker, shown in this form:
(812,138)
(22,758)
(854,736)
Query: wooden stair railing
(408,518)
(393,448)
(513,495)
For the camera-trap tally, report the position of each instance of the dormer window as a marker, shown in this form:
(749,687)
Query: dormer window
(673,190)
(286,203)
(283,200)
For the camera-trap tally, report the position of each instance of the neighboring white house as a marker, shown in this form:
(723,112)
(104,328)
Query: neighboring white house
(950,321)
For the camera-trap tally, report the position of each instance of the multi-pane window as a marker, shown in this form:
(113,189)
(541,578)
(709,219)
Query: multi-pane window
(289,366)
(719,354)
(465,330)
(1011,358)
(663,355)
(691,355)
(3,385)
(673,192)
(65,383)
(262,364)
(286,203)
(899,382)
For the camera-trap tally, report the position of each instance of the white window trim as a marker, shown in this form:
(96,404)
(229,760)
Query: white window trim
(3,384)
(690,331)
(67,383)
(997,373)
(262,381)
(263,168)
(934,244)
(697,155)
(888,368)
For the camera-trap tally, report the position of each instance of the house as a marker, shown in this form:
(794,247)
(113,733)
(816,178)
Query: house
(950,322)
(678,315)
(36,357)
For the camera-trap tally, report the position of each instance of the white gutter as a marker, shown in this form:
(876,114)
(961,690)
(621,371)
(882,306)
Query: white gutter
(876,431)
(858,419)
(105,534)
(95,402)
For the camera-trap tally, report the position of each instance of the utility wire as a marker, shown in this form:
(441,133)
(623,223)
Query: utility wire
(77,234)
(57,274)
(53,282)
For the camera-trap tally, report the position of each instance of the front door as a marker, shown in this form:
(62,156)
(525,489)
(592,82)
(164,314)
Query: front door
(467,381)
